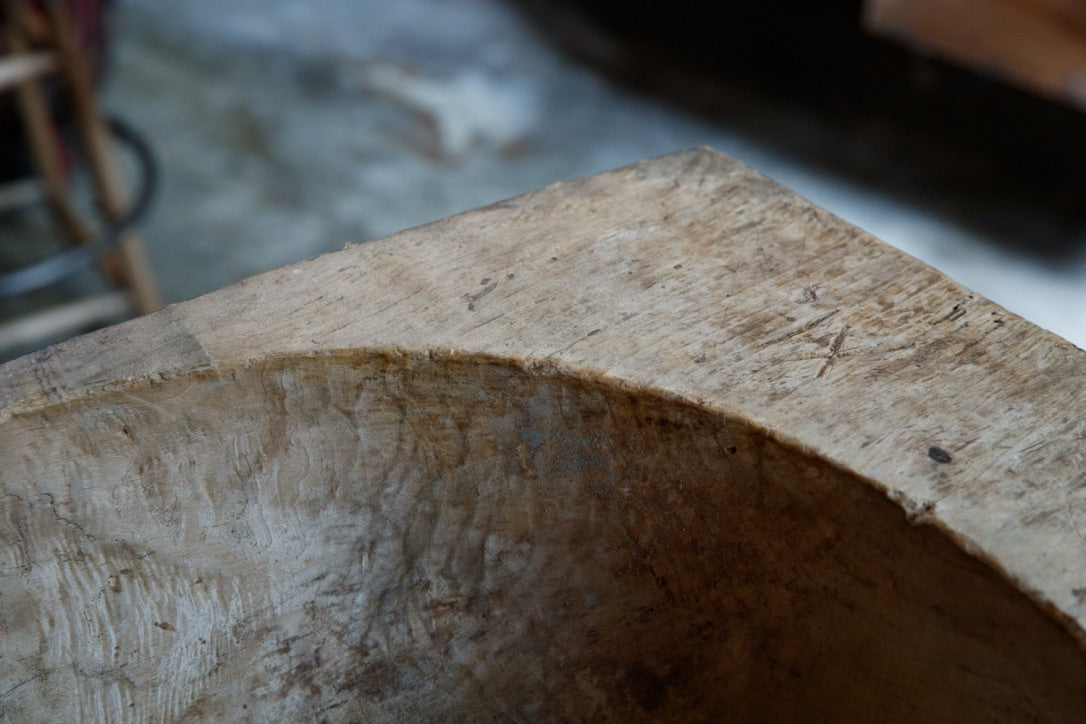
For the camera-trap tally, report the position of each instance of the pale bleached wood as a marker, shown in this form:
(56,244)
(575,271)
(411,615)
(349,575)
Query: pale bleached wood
(663,444)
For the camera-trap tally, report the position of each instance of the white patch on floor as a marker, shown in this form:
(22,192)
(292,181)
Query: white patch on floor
(466,111)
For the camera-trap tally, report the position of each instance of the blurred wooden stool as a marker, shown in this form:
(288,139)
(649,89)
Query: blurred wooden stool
(41,42)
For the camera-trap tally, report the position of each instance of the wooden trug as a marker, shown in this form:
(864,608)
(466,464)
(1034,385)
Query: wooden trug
(665,444)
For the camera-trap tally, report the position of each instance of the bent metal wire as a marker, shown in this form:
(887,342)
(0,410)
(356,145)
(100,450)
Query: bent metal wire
(58,266)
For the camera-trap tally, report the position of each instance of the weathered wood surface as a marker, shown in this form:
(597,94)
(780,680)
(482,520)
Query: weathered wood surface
(1038,45)
(664,444)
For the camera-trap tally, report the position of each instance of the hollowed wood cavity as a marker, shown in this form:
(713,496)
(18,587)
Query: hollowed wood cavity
(461,539)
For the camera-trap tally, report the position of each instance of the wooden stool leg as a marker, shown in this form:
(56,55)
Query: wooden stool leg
(108,180)
(43,146)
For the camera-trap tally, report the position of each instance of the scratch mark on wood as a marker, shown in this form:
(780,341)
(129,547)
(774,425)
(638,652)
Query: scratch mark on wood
(35,677)
(796,332)
(593,333)
(835,349)
(874,353)
(957,312)
(473,298)
(379,311)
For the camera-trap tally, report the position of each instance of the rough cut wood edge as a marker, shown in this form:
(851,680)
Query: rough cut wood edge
(693,276)
(1038,45)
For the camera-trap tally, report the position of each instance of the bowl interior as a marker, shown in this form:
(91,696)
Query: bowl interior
(456,538)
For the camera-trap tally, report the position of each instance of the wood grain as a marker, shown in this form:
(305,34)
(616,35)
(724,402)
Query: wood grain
(664,444)
(1038,45)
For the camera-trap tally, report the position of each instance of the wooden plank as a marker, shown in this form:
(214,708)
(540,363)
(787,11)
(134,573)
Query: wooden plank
(1039,45)
(41,137)
(663,444)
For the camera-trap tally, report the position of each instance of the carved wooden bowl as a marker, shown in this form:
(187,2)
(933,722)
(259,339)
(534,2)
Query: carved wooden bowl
(553,461)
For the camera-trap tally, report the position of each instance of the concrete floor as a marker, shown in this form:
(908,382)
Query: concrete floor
(287,129)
